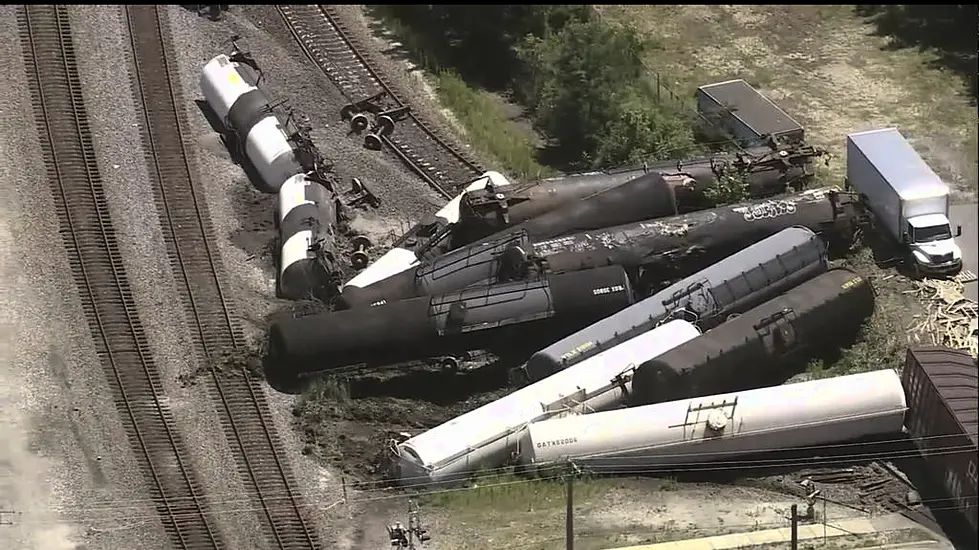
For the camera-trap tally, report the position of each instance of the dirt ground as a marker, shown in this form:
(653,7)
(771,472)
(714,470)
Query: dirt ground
(827,67)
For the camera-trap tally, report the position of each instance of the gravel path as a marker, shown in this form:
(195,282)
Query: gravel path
(65,462)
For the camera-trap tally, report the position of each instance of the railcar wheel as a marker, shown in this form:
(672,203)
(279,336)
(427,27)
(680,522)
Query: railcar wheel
(385,125)
(372,142)
(359,122)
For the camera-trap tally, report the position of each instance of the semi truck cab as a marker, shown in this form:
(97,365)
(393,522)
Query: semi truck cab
(932,245)
(908,199)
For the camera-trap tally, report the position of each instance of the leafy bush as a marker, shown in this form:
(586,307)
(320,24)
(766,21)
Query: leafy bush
(731,188)
(583,81)
(587,91)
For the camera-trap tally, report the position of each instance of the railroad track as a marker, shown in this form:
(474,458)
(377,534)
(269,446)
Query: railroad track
(97,267)
(242,408)
(327,42)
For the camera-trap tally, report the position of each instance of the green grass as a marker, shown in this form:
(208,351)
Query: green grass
(488,127)
(510,492)
(482,116)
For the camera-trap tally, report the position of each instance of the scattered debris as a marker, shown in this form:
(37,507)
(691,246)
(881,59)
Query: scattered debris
(950,319)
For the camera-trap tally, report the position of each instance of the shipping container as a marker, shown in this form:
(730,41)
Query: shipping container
(735,108)
(941,389)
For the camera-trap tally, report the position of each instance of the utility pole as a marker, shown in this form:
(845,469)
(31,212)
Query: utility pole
(569,513)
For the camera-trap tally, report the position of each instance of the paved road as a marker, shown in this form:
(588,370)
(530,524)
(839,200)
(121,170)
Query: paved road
(967,215)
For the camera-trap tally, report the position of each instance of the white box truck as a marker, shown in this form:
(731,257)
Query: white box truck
(908,200)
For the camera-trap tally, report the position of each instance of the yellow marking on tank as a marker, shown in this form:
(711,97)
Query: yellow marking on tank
(577,351)
(854,281)
(235,78)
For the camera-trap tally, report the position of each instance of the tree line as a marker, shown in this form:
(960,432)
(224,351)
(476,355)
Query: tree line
(582,81)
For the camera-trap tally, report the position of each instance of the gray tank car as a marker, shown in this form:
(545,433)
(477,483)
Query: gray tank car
(734,285)
(763,346)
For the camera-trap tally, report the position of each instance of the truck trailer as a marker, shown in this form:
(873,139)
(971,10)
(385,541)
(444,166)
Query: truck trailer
(735,108)
(909,202)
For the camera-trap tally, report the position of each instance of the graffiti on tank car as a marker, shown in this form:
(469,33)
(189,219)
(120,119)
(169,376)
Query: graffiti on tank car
(767,210)
(557,442)
(607,290)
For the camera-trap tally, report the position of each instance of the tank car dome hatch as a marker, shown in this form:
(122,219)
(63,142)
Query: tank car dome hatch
(716,420)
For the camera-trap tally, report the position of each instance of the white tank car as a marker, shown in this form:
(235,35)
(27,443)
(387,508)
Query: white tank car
(306,217)
(397,259)
(720,427)
(223,82)
(487,437)
(231,91)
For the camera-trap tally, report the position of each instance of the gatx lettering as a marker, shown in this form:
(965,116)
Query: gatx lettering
(556,442)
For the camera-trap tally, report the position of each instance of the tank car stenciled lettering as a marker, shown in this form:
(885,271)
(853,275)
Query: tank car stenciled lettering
(733,285)
(688,434)
(762,345)
(503,316)
(487,437)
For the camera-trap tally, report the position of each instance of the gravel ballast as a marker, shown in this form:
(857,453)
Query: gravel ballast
(243,217)
(115,120)
(66,467)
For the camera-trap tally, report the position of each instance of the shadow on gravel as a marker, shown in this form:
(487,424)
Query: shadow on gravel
(254,209)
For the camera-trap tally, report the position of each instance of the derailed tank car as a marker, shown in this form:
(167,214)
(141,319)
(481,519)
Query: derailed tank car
(230,87)
(653,251)
(283,156)
(734,285)
(941,387)
(489,317)
(763,345)
(306,217)
(486,437)
(767,170)
(425,236)
(646,197)
(670,248)
(574,203)
(690,434)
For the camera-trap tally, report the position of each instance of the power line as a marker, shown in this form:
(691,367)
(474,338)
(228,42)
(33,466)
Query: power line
(555,471)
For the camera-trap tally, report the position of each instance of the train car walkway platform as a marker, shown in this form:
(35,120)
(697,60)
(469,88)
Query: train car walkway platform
(807,532)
